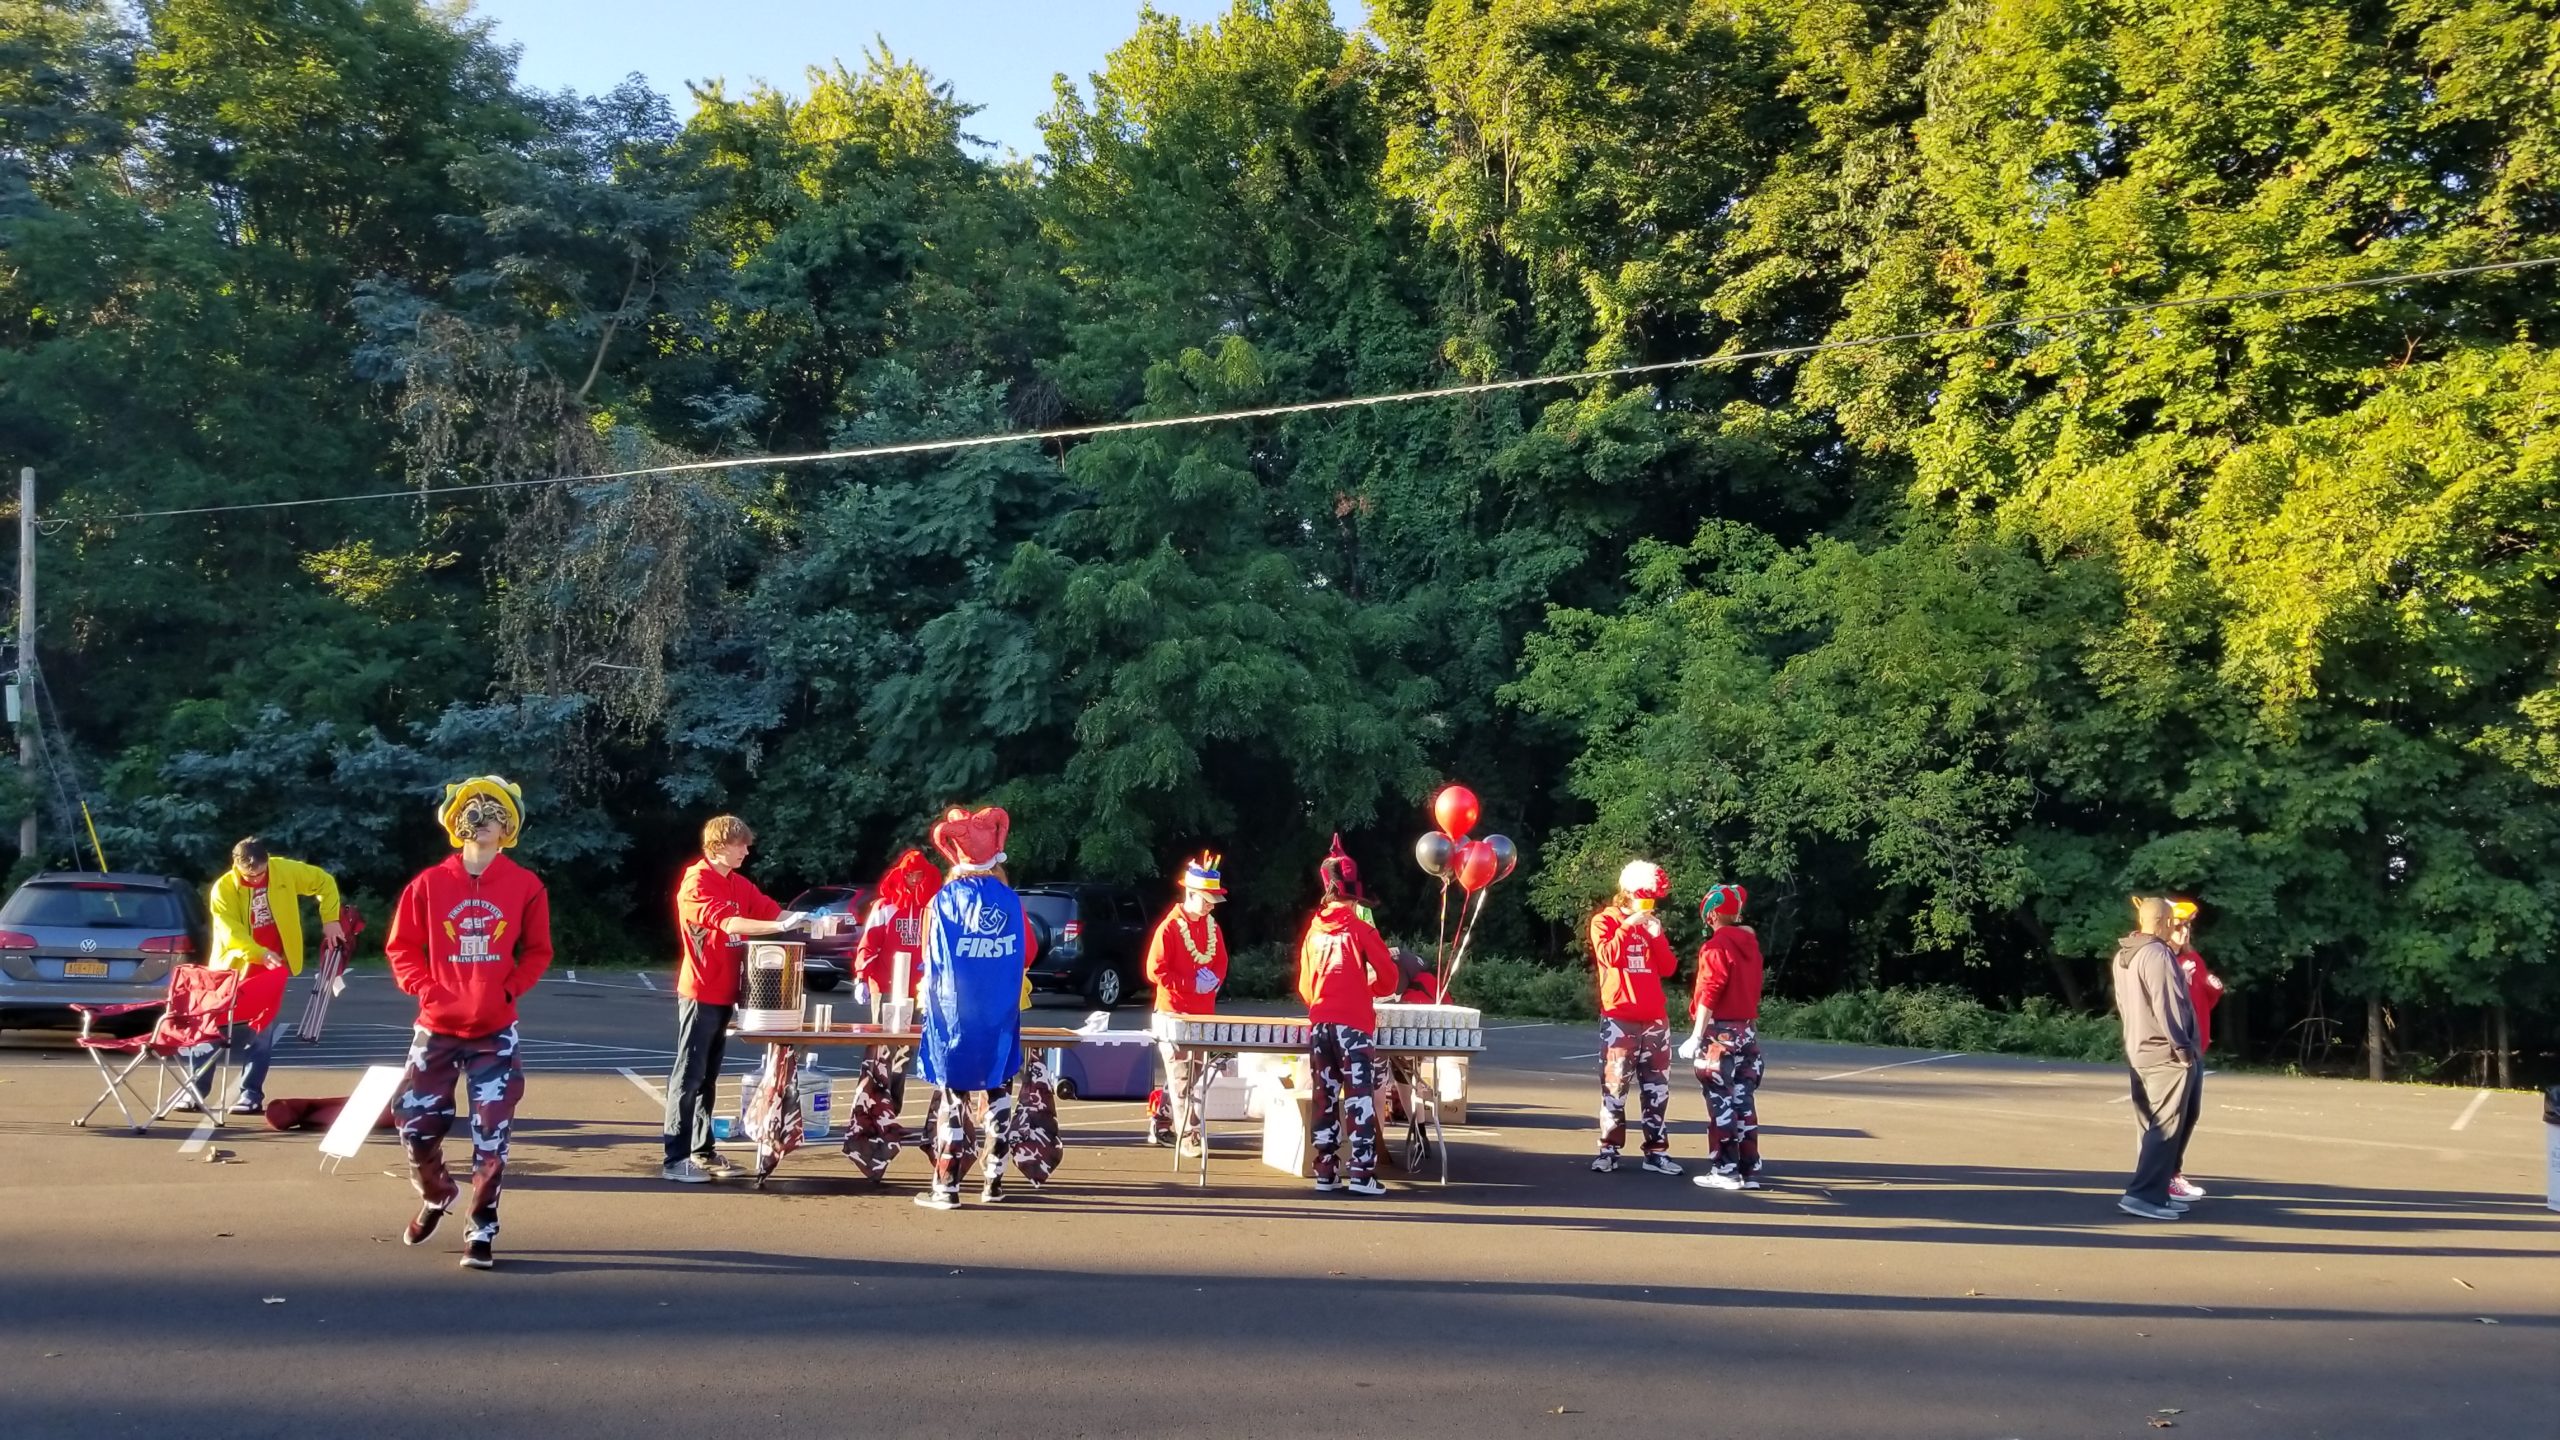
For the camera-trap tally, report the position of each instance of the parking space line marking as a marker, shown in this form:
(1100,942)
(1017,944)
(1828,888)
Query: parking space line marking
(2471,1109)
(645,980)
(1893,1065)
(652,1091)
(196,1141)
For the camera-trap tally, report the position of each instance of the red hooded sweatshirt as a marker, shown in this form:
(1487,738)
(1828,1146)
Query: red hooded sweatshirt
(1729,976)
(469,946)
(2204,988)
(1633,962)
(1343,967)
(1181,955)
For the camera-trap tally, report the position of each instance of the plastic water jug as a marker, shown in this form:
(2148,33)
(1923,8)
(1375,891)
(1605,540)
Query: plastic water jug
(817,1101)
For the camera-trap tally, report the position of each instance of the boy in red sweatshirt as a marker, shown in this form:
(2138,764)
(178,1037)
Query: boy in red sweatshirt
(468,939)
(1724,1039)
(1343,968)
(1633,958)
(1187,961)
(2204,991)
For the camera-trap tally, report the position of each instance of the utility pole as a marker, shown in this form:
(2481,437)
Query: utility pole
(27,655)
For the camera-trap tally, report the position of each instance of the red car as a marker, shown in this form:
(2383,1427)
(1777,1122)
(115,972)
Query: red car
(827,964)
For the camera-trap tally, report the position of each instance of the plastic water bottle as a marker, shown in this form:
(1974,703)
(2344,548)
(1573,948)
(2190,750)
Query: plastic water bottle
(817,1100)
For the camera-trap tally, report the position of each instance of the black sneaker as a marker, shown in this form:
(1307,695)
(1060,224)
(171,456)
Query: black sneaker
(992,1193)
(1661,1164)
(1368,1186)
(938,1199)
(1604,1164)
(476,1256)
(429,1217)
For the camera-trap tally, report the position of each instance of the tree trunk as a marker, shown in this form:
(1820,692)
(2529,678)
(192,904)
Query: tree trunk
(2506,1073)
(2373,1067)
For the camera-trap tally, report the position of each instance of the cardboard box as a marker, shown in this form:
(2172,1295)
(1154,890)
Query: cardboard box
(1449,1077)
(1288,1133)
(1226,1098)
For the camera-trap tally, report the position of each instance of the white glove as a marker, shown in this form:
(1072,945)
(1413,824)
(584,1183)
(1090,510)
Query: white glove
(791,919)
(1689,1047)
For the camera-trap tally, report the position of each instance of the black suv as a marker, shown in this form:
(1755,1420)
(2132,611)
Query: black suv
(1093,940)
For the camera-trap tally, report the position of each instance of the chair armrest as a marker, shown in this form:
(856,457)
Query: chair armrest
(91,1013)
(126,1008)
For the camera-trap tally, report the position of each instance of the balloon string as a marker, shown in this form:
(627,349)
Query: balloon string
(1440,946)
(1466,933)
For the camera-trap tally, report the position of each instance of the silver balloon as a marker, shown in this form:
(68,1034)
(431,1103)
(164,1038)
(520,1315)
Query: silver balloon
(1433,852)
(1506,856)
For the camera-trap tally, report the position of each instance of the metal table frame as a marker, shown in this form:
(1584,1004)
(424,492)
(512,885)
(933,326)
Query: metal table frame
(1034,1037)
(1423,1138)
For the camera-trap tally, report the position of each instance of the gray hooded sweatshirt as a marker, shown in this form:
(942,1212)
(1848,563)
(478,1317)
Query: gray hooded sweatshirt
(2159,1017)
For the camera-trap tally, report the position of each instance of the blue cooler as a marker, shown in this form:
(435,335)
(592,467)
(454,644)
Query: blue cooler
(1115,1065)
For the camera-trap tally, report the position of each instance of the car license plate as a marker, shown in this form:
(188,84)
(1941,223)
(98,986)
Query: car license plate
(80,969)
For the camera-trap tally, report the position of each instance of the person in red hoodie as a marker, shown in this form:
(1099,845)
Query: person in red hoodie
(716,907)
(1724,1039)
(2204,988)
(469,937)
(1187,960)
(1633,958)
(1343,969)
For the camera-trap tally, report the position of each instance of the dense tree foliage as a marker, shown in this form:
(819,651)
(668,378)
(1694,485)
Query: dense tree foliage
(1940,645)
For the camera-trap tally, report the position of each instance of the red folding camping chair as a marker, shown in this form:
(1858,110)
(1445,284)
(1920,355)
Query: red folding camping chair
(197,1014)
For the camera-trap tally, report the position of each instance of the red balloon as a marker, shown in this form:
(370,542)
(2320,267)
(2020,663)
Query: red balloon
(1456,811)
(1477,866)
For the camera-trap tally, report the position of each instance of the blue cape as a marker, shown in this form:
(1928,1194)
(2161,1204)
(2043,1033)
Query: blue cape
(972,985)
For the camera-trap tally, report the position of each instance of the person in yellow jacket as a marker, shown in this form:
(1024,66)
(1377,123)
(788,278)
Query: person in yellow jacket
(257,930)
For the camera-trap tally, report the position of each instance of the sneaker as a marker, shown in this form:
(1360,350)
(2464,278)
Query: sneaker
(938,1199)
(1718,1180)
(1325,1185)
(248,1105)
(1370,1186)
(992,1193)
(1660,1165)
(1191,1148)
(429,1217)
(477,1256)
(2181,1206)
(1751,1181)
(1604,1165)
(2133,1205)
(190,1105)
(718,1166)
(2182,1188)
(684,1172)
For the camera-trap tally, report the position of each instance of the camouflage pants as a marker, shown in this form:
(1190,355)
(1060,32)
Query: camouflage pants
(1729,1071)
(960,1119)
(1184,1097)
(1641,1054)
(1346,1080)
(424,1109)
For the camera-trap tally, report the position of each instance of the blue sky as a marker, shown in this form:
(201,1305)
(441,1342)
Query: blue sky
(997,54)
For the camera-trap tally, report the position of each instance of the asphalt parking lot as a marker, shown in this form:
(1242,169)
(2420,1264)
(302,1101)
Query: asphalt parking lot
(1938,1255)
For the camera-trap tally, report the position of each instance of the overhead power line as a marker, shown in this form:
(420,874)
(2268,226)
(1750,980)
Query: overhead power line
(1353,402)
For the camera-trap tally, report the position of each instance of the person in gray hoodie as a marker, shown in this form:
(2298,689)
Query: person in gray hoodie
(2160,1046)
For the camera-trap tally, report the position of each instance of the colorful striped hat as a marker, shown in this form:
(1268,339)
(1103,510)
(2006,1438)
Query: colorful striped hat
(1201,874)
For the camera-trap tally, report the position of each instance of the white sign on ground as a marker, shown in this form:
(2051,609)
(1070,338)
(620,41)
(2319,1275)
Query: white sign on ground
(364,1109)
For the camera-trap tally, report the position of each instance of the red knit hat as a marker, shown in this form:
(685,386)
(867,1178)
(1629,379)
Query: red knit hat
(1725,900)
(972,840)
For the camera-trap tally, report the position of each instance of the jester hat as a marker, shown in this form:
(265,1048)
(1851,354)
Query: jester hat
(1724,900)
(458,798)
(1339,871)
(972,840)
(910,881)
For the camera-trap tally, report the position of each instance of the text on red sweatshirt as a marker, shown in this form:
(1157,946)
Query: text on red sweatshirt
(469,946)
